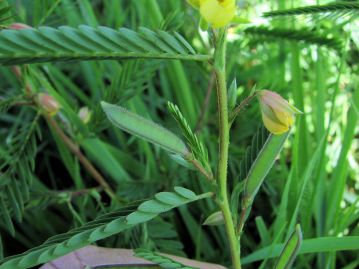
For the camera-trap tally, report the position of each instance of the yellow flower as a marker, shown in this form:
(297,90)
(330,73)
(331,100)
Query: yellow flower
(277,114)
(217,12)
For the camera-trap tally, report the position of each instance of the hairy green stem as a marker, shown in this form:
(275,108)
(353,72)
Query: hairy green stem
(219,68)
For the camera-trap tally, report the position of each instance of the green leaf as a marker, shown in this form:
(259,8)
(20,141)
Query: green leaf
(47,44)
(308,36)
(161,203)
(215,218)
(6,217)
(337,7)
(103,227)
(185,192)
(17,164)
(9,101)
(307,175)
(5,13)
(101,155)
(315,245)
(290,250)
(262,230)
(144,128)
(162,261)
(198,150)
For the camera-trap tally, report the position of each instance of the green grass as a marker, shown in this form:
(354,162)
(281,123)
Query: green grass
(314,181)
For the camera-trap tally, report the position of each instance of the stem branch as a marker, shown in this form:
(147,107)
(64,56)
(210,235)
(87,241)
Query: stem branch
(239,108)
(201,169)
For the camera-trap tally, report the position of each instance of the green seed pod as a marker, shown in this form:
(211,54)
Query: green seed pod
(144,128)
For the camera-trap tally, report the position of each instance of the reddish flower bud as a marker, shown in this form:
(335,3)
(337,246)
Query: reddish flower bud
(47,104)
(19,26)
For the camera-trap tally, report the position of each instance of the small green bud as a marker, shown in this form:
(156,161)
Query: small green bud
(85,114)
(232,95)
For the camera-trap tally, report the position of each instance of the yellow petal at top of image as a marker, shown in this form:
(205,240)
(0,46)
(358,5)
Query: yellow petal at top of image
(217,12)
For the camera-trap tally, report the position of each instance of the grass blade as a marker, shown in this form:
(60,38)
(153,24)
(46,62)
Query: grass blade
(290,250)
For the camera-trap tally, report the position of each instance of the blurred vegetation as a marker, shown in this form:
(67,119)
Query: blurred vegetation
(309,57)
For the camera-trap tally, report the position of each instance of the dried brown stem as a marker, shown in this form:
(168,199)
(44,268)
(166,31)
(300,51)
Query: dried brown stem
(82,158)
(239,108)
(205,103)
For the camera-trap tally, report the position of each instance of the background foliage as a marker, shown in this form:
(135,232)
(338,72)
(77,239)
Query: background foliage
(310,56)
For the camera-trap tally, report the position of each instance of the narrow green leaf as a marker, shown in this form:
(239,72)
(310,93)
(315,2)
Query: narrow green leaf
(290,250)
(199,152)
(162,261)
(262,230)
(98,151)
(6,217)
(14,203)
(144,128)
(315,245)
(1,249)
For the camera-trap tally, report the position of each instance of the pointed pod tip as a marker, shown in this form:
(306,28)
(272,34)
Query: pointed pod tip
(298,230)
(104,104)
(106,107)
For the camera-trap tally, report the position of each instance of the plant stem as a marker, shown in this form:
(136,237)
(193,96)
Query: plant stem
(82,158)
(219,68)
(239,108)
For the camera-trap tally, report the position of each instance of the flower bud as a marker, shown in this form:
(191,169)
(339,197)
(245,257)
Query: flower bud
(47,104)
(85,114)
(277,114)
(217,12)
(19,26)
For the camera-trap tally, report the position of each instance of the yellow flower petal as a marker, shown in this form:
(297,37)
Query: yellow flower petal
(274,127)
(284,117)
(278,115)
(218,13)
